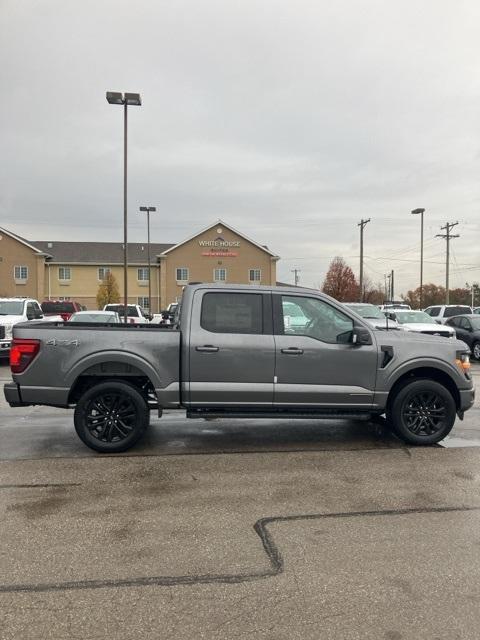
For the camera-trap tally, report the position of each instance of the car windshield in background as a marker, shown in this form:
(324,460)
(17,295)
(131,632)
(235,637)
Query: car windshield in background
(367,311)
(456,311)
(58,307)
(132,310)
(412,317)
(11,308)
(92,317)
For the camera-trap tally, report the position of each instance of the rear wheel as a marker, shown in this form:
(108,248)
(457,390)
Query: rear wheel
(476,350)
(422,412)
(111,417)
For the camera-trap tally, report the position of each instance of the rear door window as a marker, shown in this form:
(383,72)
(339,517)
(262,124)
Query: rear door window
(224,312)
(455,311)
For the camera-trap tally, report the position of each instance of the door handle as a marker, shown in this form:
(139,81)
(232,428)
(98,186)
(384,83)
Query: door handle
(207,348)
(292,351)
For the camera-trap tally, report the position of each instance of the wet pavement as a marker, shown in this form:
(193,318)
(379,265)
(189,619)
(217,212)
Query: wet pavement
(238,529)
(44,432)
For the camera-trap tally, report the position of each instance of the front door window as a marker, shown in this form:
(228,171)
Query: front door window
(316,319)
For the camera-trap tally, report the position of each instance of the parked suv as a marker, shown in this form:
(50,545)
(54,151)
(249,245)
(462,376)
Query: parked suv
(135,313)
(441,313)
(63,308)
(13,311)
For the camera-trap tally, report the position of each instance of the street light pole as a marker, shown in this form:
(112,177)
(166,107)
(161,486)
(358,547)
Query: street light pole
(132,99)
(147,210)
(362,225)
(421,212)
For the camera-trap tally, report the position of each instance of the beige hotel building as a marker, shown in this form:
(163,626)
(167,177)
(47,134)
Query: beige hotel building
(74,270)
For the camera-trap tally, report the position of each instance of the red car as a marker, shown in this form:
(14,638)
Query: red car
(63,308)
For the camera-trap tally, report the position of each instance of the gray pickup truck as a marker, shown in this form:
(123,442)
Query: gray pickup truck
(242,352)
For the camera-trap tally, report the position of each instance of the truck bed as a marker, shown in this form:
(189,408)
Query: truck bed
(70,355)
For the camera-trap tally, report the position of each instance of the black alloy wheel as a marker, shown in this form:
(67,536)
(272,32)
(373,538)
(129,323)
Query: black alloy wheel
(422,412)
(111,417)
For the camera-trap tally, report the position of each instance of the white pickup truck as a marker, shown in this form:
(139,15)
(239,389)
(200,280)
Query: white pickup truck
(15,310)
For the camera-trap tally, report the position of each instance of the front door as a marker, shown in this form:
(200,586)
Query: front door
(231,349)
(317,365)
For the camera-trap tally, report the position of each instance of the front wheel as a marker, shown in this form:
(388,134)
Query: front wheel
(422,412)
(111,417)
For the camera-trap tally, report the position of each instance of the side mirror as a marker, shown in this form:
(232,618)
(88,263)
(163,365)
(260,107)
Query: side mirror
(361,336)
(30,315)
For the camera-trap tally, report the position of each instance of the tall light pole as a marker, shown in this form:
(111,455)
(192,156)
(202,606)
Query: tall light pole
(421,212)
(362,225)
(148,210)
(125,99)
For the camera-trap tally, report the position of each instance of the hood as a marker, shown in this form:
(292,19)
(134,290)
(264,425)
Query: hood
(427,326)
(381,323)
(10,319)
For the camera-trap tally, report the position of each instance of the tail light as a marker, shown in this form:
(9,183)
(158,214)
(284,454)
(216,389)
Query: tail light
(66,316)
(22,353)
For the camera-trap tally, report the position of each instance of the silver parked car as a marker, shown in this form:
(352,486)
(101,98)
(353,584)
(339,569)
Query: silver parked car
(420,322)
(372,315)
(102,317)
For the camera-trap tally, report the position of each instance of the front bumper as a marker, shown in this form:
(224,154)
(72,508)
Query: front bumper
(467,398)
(5,345)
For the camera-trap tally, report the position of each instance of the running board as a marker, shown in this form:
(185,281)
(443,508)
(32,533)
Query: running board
(315,413)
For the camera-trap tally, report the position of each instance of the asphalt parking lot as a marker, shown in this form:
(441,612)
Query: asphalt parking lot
(231,529)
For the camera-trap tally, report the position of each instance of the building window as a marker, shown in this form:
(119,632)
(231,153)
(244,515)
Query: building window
(182,275)
(20,274)
(142,301)
(254,275)
(142,274)
(219,275)
(103,272)
(64,273)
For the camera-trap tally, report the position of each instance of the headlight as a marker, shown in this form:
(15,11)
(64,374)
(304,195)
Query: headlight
(463,361)
(8,330)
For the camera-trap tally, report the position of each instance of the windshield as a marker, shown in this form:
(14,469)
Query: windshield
(92,317)
(11,307)
(367,311)
(132,310)
(62,306)
(410,317)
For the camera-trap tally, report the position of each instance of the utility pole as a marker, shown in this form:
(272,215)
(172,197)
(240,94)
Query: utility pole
(297,277)
(362,225)
(448,236)
(392,285)
(386,290)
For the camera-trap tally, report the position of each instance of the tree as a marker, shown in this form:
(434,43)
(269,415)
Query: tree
(108,291)
(373,293)
(432,294)
(340,281)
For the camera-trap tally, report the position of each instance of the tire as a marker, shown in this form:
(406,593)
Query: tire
(476,350)
(123,422)
(422,412)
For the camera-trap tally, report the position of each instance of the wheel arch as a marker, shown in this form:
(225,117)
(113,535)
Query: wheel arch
(108,366)
(425,373)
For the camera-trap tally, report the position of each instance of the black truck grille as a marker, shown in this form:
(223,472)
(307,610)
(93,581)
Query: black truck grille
(2,332)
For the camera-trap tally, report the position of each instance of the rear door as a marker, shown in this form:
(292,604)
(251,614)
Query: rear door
(317,365)
(231,349)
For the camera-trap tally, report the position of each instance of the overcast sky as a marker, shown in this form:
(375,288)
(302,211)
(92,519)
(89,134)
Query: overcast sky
(290,120)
